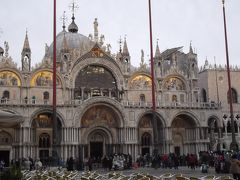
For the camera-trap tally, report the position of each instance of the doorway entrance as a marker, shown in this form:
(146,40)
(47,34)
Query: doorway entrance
(44,156)
(177,150)
(4,155)
(145,150)
(96,150)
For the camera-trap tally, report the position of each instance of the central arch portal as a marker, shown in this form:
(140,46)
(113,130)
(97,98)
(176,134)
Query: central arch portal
(98,143)
(183,134)
(101,127)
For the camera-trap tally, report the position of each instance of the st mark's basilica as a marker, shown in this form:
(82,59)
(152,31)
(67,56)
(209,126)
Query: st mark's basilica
(104,104)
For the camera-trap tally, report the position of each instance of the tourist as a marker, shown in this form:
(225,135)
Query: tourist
(2,163)
(235,167)
(38,165)
(90,163)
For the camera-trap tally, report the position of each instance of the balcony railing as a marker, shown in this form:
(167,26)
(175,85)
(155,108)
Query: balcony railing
(129,104)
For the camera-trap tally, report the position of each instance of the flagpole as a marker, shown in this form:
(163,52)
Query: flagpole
(233,145)
(154,119)
(55,134)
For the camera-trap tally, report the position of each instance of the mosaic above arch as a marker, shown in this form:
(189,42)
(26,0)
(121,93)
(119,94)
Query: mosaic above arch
(100,114)
(9,78)
(141,82)
(145,122)
(174,83)
(44,78)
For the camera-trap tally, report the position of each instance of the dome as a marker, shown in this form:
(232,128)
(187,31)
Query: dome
(73,41)
(73,27)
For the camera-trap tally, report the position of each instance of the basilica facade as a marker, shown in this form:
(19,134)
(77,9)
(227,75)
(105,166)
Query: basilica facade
(104,104)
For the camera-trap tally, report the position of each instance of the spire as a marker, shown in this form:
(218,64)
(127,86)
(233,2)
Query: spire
(190,48)
(64,18)
(206,64)
(125,48)
(120,45)
(26,47)
(95,25)
(73,27)
(26,55)
(157,53)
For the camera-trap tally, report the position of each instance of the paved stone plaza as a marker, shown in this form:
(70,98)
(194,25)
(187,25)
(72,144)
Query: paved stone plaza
(103,174)
(182,170)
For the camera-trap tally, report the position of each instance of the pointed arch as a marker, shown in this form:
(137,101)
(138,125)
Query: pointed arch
(234,96)
(203,95)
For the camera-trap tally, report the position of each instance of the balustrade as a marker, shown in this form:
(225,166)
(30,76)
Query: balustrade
(139,104)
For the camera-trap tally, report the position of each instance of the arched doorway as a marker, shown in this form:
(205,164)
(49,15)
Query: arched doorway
(44,141)
(101,126)
(146,142)
(98,144)
(146,134)
(183,135)
(5,147)
(203,95)
(42,135)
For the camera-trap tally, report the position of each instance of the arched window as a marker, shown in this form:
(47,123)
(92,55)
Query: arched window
(236,127)
(46,97)
(204,95)
(142,98)
(224,146)
(44,140)
(212,125)
(229,127)
(234,96)
(34,100)
(146,139)
(6,95)
(94,78)
(174,98)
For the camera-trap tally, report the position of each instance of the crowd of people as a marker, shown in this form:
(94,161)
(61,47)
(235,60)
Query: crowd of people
(112,162)
(170,160)
(223,162)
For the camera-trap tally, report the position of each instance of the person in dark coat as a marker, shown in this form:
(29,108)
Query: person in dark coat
(110,163)
(90,162)
(70,164)
(235,167)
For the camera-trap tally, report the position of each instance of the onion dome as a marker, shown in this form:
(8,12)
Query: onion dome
(73,27)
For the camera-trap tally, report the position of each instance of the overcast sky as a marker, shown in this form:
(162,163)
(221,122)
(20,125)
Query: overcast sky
(175,23)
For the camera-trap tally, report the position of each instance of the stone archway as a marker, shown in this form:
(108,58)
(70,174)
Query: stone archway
(145,126)
(6,141)
(41,130)
(99,143)
(183,133)
(101,127)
